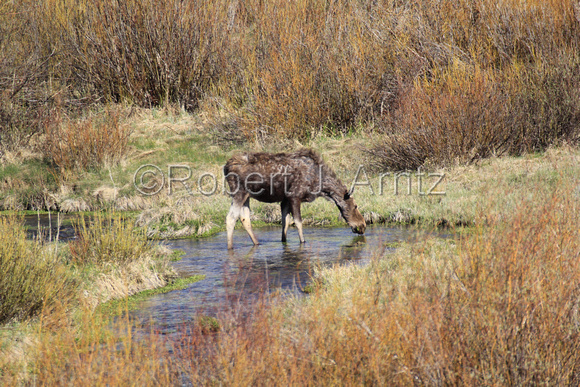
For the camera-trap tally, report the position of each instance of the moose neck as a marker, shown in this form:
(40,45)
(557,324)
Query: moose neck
(334,190)
(338,199)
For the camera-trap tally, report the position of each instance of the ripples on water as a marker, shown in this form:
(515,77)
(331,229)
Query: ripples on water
(234,278)
(247,271)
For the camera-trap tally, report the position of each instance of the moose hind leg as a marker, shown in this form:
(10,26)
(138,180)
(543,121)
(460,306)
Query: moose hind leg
(245,217)
(297,219)
(286,212)
(231,219)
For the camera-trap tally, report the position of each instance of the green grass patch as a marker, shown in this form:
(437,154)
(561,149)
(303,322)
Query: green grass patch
(392,245)
(209,324)
(119,306)
(176,255)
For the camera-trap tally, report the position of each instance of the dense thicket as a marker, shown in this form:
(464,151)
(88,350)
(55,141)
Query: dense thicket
(444,81)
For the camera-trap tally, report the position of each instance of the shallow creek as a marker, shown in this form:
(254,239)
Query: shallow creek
(53,227)
(234,278)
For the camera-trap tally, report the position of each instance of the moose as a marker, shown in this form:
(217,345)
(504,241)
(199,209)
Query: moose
(288,178)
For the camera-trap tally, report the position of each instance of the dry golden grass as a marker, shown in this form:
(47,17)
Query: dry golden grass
(107,239)
(48,291)
(87,349)
(33,277)
(456,80)
(498,305)
(443,83)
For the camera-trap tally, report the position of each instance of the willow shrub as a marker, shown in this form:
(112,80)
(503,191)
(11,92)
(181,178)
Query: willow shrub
(32,277)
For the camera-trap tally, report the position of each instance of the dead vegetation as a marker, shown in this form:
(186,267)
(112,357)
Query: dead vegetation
(498,305)
(432,84)
(458,81)
(87,143)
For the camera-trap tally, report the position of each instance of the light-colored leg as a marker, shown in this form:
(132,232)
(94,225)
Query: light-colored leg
(298,224)
(285,206)
(231,219)
(245,217)
(297,219)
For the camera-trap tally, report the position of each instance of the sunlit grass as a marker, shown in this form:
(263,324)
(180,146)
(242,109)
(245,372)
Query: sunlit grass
(33,277)
(411,71)
(448,87)
(119,306)
(49,289)
(433,86)
(105,239)
(183,215)
(492,306)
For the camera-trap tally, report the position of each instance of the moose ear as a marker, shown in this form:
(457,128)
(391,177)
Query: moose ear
(348,193)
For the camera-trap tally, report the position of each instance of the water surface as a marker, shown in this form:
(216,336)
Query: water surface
(235,278)
(247,271)
(53,227)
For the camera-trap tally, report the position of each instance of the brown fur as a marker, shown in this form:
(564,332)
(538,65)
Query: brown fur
(288,178)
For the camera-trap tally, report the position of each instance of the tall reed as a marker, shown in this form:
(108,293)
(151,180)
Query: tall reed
(33,278)
(108,239)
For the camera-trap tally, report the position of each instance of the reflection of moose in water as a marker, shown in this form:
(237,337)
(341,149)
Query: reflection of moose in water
(289,178)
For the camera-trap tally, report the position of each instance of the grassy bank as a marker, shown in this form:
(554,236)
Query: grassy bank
(496,307)
(480,93)
(90,94)
(184,145)
(119,306)
(51,286)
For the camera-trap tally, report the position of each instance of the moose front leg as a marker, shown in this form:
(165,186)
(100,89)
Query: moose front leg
(295,207)
(286,211)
